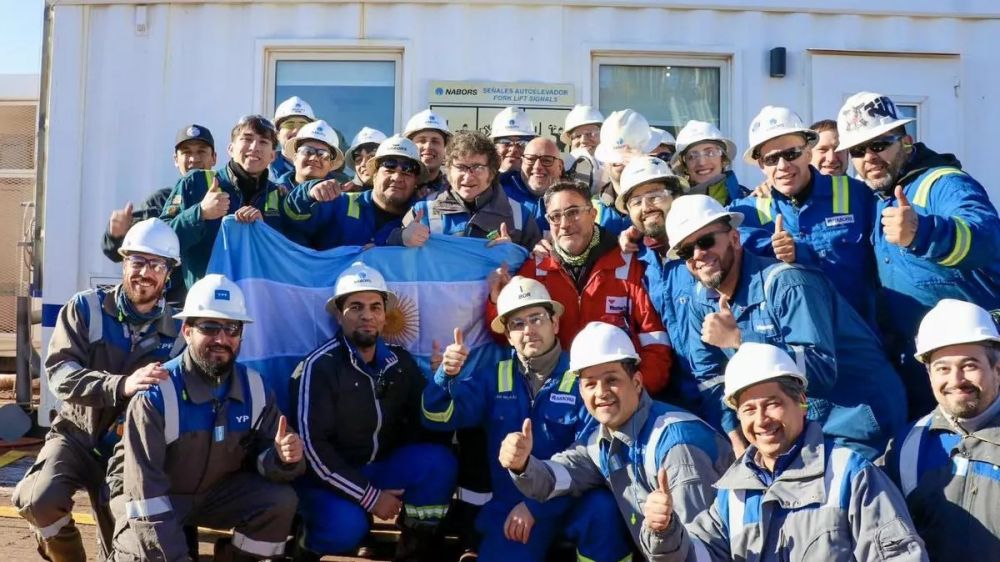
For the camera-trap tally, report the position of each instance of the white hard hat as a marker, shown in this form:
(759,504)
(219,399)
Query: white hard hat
(512,122)
(773,122)
(662,136)
(152,236)
(358,278)
(755,363)
(598,343)
(521,292)
(321,131)
(864,116)
(424,120)
(214,296)
(701,131)
(293,106)
(623,133)
(954,322)
(366,135)
(398,146)
(579,116)
(691,213)
(644,170)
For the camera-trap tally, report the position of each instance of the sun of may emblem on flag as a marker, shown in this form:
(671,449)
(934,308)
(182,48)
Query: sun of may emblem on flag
(402,322)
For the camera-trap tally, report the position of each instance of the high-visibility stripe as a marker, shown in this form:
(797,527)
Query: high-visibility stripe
(963,243)
(258,396)
(148,507)
(841,195)
(505,376)
(472,497)
(518,214)
(924,189)
(909,455)
(960,465)
(650,463)
(439,417)
(272,202)
(773,274)
(353,209)
(290,212)
(563,479)
(566,384)
(435,220)
(836,472)
(621,272)
(95,322)
(171,411)
(763,205)
(737,506)
(711,383)
(52,530)
(424,512)
(267,549)
(653,338)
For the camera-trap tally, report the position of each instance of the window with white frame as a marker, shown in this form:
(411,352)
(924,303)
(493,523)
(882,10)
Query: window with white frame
(348,89)
(910,111)
(669,91)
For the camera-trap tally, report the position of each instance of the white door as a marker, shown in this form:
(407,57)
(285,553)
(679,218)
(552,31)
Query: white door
(924,87)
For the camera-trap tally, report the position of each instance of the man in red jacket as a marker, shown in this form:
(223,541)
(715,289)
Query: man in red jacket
(588,274)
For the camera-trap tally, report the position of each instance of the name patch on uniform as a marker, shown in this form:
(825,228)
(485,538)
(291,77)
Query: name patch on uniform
(839,220)
(616,305)
(219,433)
(764,328)
(563,399)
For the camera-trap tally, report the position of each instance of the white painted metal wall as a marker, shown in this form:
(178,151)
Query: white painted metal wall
(124,77)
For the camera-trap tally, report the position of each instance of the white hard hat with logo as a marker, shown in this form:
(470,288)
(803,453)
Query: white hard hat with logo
(754,363)
(152,236)
(293,107)
(662,136)
(691,213)
(624,134)
(773,122)
(512,122)
(954,322)
(425,120)
(359,278)
(521,292)
(321,131)
(215,296)
(643,170)
(695,132)
(579,116)
(398,146)
(366,135)
(865,116)
(598,343)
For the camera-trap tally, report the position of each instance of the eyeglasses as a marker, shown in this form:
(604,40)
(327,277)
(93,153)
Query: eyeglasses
(212,328)
(474,169)
(788,155)
(706,242)
(877,146)
(571,214)
(666,155)
(404,167)
(546,161)
(289,124)
(535,321)
(708,153)
(653,198)
(307,151)
(156,265)
(509,142)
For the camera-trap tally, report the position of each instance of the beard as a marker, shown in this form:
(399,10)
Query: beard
(968,407)
(654,227)
(139,296)
(363,340)
(888,182)
(214,368)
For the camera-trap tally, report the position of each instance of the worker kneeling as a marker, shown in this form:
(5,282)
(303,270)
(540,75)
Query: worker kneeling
(189,441)
(534,392)
(357,404)
(794,495)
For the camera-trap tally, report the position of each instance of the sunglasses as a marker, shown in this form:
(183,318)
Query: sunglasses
(405,167)
(666,155)
(788,155)
(212,328)
(137,263)
(705,243)
(310,151)
(877,146)
(513,141)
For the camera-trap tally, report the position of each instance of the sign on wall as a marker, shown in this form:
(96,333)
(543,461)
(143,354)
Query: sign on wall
(473,105)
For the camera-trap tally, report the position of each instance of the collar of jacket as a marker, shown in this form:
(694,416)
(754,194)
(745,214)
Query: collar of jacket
(611,258)
(384,357)
(250,187)
(988,435)
(545,364)
(921,160)
(515,181)
(165,324)
(448,201)
(629,432)
(197,387)
(801,483)
(816,189)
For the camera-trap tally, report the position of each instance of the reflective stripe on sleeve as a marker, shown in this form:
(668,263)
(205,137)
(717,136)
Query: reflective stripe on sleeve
(95,321)
(909,455)
(963,243)
(171,411)
(258,396)
(265,549)
(439,417)
(563,479)
(148,507)
(653,338)
(763,205)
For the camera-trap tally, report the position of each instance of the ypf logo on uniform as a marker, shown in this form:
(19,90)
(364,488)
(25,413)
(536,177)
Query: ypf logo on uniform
(221,295)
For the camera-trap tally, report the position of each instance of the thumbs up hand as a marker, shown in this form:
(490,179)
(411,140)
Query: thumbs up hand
(782,242)
(720,328)
(900,223)
(287,443)
(416,233)
(503,236)
(455,355)
(659,505)
(121,221)
(215,203)
(516,448)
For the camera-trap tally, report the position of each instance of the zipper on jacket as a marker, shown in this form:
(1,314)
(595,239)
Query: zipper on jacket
(378,407)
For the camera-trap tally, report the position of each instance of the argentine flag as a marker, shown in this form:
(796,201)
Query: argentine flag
(441,286)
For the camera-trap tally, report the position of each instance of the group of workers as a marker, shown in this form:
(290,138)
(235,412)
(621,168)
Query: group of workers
(803,370)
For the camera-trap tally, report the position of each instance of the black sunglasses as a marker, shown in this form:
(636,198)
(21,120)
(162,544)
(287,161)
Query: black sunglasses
(666,155)
(876,146)
(788,155)
(212,328)
(404,166)
(706,242)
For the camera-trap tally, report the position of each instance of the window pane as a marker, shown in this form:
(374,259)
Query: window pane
(668,96)
(347,94)
(908,111)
